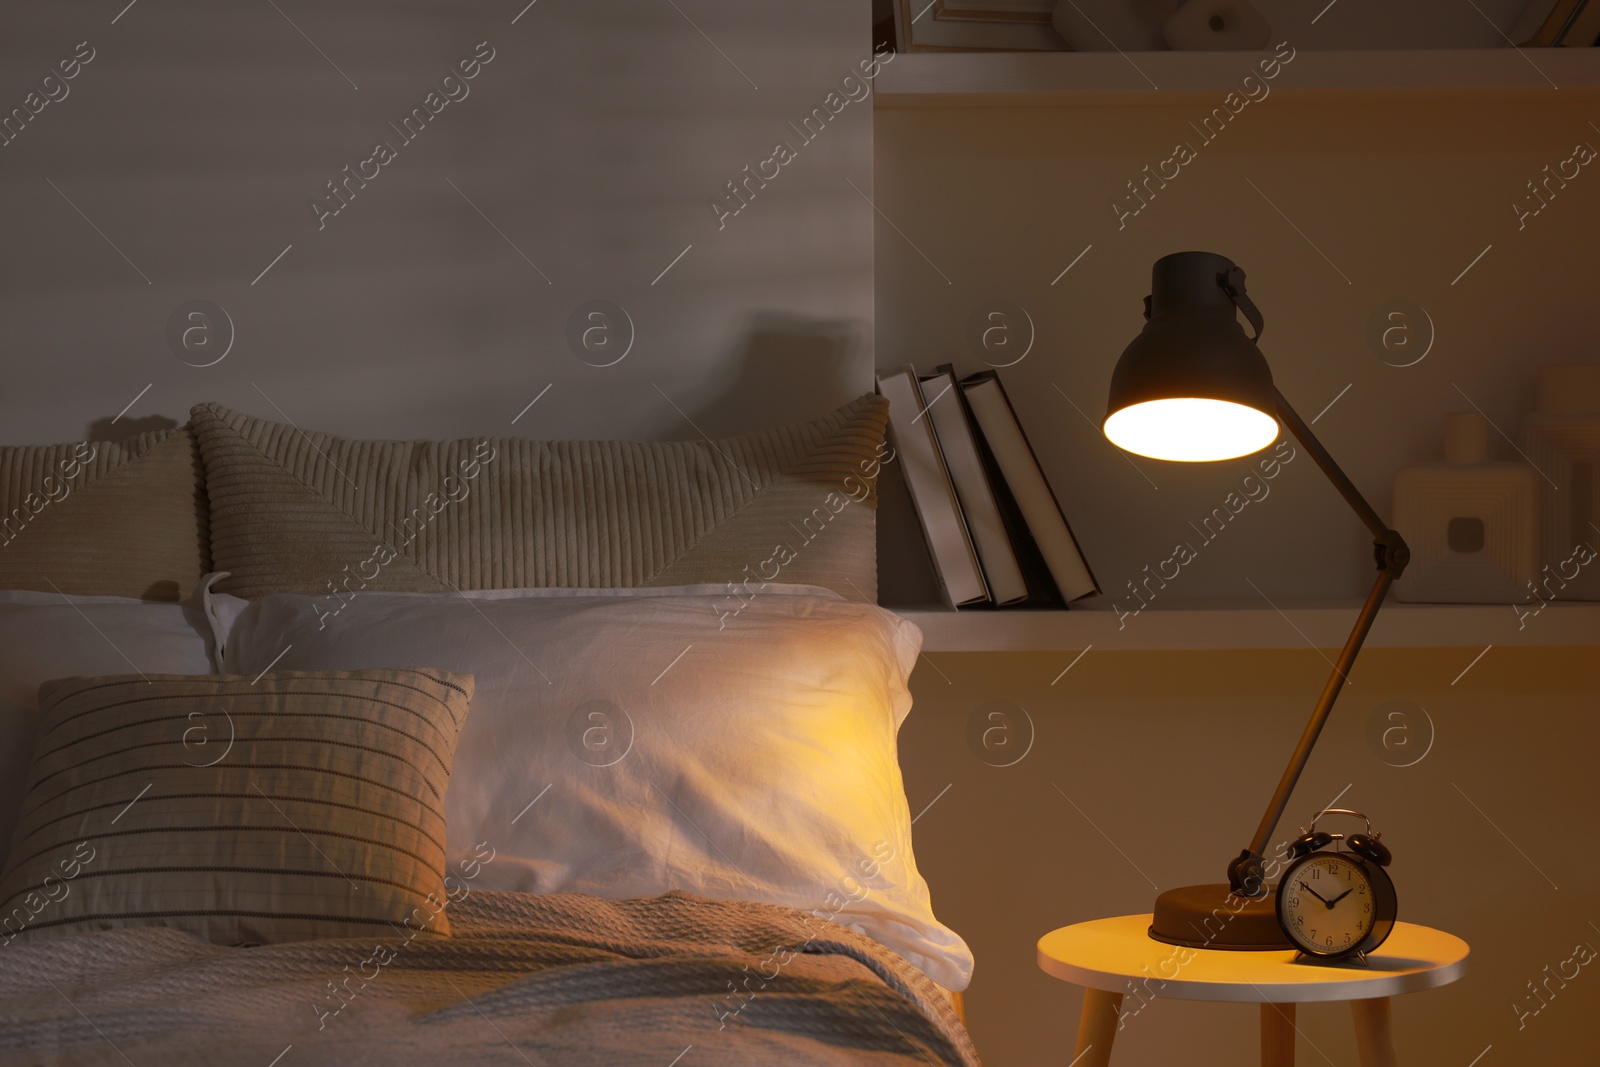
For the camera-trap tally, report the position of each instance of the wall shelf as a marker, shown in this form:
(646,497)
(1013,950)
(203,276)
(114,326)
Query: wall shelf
(1252,626)
(1031,79)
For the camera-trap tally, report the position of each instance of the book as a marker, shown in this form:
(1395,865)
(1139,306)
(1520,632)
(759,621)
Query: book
(955,561)
(1543,22)
(1042,592)
(1014,456)
(954,433)
(1584,28)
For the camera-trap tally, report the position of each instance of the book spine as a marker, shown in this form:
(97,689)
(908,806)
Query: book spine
(934,498)
(1037,500)
(1556,23)
(1042,591)
(974,493)
(1585,27)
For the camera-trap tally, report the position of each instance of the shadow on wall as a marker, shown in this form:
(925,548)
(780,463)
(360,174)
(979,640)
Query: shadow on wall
(791,369)
(116,428)
(788,369)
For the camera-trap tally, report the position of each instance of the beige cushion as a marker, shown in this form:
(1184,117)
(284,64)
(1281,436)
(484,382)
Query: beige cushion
(310,513)
(125,518)
(301,804)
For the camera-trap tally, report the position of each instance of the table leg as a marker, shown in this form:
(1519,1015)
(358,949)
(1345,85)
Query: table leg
(1374,1038)
(1277,1035)
(1096,1028)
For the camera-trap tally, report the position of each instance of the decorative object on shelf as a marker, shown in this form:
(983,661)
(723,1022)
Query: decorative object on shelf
(1113,25)
(1193,387)
(1563,444)
(1337,904)
(1216,26)
(975,26)
(1474,523)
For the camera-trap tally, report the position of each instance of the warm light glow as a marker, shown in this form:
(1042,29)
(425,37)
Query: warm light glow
(1191,429)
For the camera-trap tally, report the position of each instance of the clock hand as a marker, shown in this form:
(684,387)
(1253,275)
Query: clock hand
(1314,893)
(1341,896)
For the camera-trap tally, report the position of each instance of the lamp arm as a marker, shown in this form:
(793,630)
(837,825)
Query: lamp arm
(1247,872)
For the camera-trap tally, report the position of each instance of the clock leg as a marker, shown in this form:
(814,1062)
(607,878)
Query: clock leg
(1277,1035)
(1374,1038)
(1096,1028)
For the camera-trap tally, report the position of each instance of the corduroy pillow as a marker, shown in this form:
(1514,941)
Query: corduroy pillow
(311,513)
(297,805)
(101,518)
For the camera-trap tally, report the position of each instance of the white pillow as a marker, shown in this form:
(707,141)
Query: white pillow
(46,635)
(628,743)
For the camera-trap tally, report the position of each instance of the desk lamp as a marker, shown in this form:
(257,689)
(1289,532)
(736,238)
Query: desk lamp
(1193,388)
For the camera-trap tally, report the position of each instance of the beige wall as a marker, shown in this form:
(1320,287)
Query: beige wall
(1400,193)
(1173,755)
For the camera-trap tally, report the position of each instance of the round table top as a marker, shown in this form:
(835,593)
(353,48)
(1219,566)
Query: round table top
(1119,955)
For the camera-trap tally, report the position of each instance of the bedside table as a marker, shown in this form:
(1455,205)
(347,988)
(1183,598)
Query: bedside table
(1116,958)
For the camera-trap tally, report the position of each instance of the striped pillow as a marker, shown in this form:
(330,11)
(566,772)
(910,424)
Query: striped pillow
(297,805)
(102,518)
(303,512)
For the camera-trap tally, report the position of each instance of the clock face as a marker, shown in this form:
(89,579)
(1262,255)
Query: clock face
(1327,904)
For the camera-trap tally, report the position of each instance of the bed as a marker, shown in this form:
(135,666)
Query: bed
(483,751)
(523,978)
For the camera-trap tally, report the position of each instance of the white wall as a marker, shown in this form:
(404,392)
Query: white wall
(199,133)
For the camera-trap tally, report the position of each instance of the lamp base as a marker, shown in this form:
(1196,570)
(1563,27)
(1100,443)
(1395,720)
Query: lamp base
(1212,916)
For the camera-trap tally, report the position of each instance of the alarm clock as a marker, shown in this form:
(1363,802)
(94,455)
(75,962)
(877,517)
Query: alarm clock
(1336,903)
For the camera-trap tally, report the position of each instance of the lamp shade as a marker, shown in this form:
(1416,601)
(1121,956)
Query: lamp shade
(1192,386)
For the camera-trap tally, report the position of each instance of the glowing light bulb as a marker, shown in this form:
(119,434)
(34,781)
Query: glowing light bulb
(1191,429)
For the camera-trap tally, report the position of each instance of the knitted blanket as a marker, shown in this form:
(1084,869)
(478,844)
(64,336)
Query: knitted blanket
(545,980)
